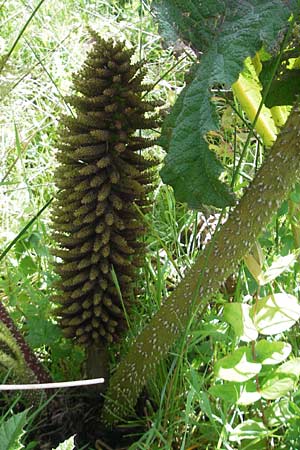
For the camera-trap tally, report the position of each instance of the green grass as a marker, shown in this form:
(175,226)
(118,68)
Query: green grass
(42,44)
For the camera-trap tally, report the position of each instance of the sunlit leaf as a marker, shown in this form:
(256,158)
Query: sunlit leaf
(278,413)
(258,253)
(275,313)
(11,431)
(290,367)
(263,277)
(250,429)
(277,385)
(229,392)
(233,392)
(272,352)
(248,393)
(247,89)
(69,444)
(279,266)
(237,315)
(239,366)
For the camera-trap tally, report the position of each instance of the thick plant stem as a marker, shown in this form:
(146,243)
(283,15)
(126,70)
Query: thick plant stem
(262,198)
(97,365)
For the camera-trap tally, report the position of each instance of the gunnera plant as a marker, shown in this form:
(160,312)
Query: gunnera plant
(103,180)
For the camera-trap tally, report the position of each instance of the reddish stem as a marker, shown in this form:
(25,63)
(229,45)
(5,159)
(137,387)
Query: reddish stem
(42,376)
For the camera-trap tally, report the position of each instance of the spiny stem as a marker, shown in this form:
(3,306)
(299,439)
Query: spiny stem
(40,373)
(221,258)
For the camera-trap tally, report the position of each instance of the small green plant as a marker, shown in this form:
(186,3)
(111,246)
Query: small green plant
(12,430)
(256,374)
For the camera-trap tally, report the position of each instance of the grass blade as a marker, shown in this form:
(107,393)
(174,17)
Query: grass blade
(8,55)
(27,226)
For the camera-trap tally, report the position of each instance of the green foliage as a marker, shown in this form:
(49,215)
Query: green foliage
(284,87)
(254,430)
(12,430)
(275,313)
(238,316)
(11,357)
(210,269)
(287,87)
(177,410)
(254,372)
(66,445)
(227,36)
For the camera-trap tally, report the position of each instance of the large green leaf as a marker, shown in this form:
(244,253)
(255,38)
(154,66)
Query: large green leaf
(279,413)
(193,21)
(237,314)
(227,32)
(285,87)
(283,380)
(278,266)
(11,431)
(272,352)
(249,393)
(250,429)
(291,367)
(277,385)
(275,313)
(240,393)
(229,392)
(239,366)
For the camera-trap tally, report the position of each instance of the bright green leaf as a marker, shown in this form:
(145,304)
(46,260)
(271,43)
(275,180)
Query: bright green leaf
(239,366)
(272,352)
(279,413)
(240,393)
(27,265)
(69,444)
(277,385)
(41,331)
(250,429)
(237,315)
(248,393)
(290,367)
(278,267)
(229,392)
(11,431)
(275,313)
(226,36)
(263,277)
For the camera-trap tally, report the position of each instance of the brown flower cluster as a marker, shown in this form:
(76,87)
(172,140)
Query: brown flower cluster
(103,181)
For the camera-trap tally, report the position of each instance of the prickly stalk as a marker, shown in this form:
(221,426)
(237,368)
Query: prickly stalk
(234,239)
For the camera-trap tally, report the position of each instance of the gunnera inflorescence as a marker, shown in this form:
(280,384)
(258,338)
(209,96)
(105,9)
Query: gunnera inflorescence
(103,181)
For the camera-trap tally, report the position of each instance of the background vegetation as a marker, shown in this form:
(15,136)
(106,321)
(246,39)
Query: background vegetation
(183,407)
